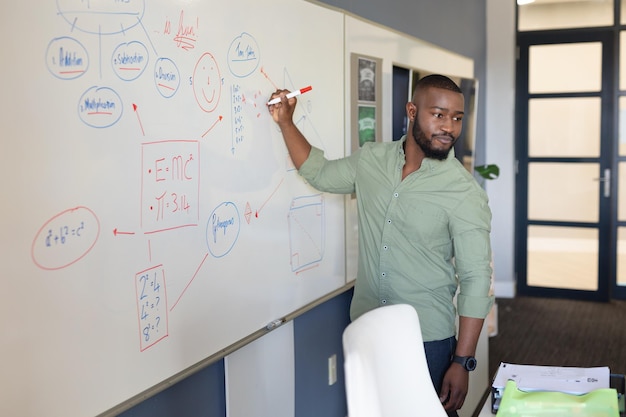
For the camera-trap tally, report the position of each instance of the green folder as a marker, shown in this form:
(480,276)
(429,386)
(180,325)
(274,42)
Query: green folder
(517,403)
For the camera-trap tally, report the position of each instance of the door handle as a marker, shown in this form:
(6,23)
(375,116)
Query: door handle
(607,182)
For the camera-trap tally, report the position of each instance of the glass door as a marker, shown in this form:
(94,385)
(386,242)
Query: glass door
(619,282)
(565,146)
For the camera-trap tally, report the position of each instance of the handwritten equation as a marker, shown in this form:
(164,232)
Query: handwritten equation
(170,185)
(151,306)
(65,238)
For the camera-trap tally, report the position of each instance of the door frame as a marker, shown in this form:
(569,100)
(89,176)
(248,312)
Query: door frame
(607,223)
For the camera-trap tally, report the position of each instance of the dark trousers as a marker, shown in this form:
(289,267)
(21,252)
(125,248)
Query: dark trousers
(438,355)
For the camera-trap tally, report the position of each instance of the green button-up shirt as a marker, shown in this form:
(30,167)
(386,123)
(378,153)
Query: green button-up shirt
(419,238)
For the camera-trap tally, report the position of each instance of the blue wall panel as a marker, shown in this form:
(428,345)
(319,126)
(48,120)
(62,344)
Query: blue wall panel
(201,394)
(317,335)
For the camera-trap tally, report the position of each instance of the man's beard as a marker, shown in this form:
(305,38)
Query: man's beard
(426,145)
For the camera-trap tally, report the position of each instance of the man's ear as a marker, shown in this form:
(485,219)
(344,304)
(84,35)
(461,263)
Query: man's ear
(411,111)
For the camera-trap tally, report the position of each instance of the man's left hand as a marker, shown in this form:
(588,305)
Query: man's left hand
(454,387)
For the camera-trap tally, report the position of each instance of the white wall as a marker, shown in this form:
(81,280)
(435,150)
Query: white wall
(500,139)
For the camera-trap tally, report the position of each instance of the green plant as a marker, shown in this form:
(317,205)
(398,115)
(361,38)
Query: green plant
(488,172)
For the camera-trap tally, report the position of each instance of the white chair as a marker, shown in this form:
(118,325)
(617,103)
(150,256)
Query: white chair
(386,373)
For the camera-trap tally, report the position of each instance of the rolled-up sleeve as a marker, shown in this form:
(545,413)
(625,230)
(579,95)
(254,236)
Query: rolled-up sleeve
(333,176)
(472,256)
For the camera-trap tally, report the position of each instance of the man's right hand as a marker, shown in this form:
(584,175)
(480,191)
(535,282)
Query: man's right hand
(282,112)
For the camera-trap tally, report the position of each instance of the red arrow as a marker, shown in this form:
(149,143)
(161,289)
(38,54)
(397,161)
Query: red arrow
(212,126)
(117,232)
(139,119)
(268,78)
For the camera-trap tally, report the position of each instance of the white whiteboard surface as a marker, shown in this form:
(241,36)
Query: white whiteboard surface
(151,216)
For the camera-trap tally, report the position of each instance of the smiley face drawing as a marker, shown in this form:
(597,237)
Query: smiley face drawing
(207,82)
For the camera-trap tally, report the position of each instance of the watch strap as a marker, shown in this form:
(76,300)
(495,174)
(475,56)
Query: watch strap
(468,362)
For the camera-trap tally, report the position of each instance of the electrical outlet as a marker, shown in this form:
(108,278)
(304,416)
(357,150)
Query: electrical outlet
(332,369)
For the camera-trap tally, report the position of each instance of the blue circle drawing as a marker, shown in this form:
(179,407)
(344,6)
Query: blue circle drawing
(243,55)
(222,229)
(166,77)
(100,107)
(129,60)
(66,58)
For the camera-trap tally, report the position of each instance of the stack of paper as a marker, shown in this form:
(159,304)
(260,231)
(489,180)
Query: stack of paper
(569,380)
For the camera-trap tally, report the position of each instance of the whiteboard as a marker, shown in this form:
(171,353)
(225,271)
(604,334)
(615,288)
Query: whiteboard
(151,215)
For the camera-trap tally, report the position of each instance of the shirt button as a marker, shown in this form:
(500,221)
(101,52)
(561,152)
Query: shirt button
(395,195)
(384,274)
(389,221)
(383,301)
(385,247)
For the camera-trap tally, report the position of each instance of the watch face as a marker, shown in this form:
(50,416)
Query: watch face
(468,362)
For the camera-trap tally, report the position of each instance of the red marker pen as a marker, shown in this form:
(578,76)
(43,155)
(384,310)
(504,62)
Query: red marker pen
(290,95)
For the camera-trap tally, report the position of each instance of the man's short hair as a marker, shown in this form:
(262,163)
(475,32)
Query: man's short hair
(437,81)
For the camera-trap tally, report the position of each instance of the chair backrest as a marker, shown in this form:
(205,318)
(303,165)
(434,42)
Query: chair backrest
(385,366)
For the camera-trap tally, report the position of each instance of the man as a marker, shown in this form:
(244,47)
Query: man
(424,226)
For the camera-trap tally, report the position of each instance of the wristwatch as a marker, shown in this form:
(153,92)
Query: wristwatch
(468,362)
